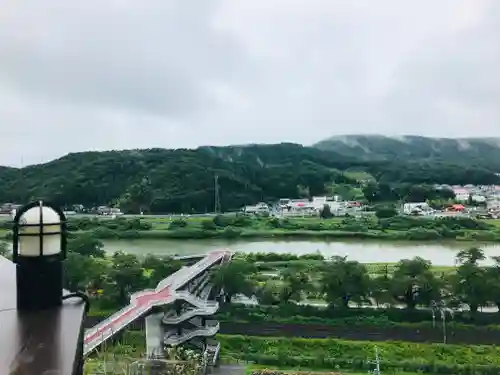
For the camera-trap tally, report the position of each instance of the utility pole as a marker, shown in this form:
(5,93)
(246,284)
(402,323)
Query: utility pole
(217,195)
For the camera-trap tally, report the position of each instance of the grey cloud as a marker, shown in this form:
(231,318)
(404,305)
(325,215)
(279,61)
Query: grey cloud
(148,57)
(165,73)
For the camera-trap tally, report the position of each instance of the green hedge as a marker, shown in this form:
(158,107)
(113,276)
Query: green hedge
(356,356)
(306,313)
(293,314)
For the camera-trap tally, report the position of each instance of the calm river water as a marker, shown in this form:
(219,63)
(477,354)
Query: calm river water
(442,254)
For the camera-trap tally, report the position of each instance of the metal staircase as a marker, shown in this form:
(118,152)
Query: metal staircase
(171,318)
(213,349)
(191,288)
(173,338)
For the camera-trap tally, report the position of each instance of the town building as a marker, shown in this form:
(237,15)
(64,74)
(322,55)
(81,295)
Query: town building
(461,194)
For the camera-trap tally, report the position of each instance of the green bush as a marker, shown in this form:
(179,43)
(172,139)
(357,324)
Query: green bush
(177,223)
(208,224)
(281,257)
(222,220)
(104,233)
(118,224)
(288,312)
(386,212)
(231,232)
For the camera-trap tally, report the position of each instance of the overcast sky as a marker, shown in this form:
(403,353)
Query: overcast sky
(115,74)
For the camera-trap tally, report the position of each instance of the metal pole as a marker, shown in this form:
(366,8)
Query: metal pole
(443,319)
(377,361)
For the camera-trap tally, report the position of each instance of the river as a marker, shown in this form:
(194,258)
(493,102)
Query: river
(441,254)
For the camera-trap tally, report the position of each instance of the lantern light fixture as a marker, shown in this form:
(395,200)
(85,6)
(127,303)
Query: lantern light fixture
(39,247)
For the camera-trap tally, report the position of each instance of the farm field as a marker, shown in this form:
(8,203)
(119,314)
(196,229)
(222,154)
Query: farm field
(340,356)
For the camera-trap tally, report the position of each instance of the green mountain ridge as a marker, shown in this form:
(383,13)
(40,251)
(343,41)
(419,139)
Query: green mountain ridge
(183,180)
(483,152)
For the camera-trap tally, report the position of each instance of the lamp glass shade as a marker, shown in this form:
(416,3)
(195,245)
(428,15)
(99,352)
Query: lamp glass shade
(29,232)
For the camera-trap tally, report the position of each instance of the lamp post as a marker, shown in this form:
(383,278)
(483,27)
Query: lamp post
(39,320)
(38,251)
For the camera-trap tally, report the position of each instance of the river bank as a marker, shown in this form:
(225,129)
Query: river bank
(400,228)
(439,253)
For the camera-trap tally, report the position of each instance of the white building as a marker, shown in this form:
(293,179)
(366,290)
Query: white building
(461,195)
(336,207)
(478,198)
(419,208)
(493,204)
(259,208)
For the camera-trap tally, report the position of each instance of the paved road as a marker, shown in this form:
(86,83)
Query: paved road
(247,301)
(230,370)
(166,216)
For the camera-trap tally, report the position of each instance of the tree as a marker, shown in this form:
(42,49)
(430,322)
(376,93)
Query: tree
(86,245)
(234,278)
(470,283)
(386,212)
(413,283)
(79,271)
(344,281)
(184,179)
(125,277)
(294,283)
(4,249)
(493,280)
(270,293)
(326,212)
(380,288)
(159,268)
(138,197)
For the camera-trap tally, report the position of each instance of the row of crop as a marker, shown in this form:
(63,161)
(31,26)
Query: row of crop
(358,356)
(302,313)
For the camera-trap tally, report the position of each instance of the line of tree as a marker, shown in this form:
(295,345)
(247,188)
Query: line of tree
(342,282)
(158,180)
(339,281)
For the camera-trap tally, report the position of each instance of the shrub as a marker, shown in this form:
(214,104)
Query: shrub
(177,223)
(230,232)
(208,225)
(386,212)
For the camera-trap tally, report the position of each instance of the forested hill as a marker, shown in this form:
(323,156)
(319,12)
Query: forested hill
(467,151)
(182,180)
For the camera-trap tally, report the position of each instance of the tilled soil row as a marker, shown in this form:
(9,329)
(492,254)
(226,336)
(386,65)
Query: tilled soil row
(454,335)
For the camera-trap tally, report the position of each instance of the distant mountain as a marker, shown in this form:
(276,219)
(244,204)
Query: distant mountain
(483,152)
(179,180)
(182,180)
